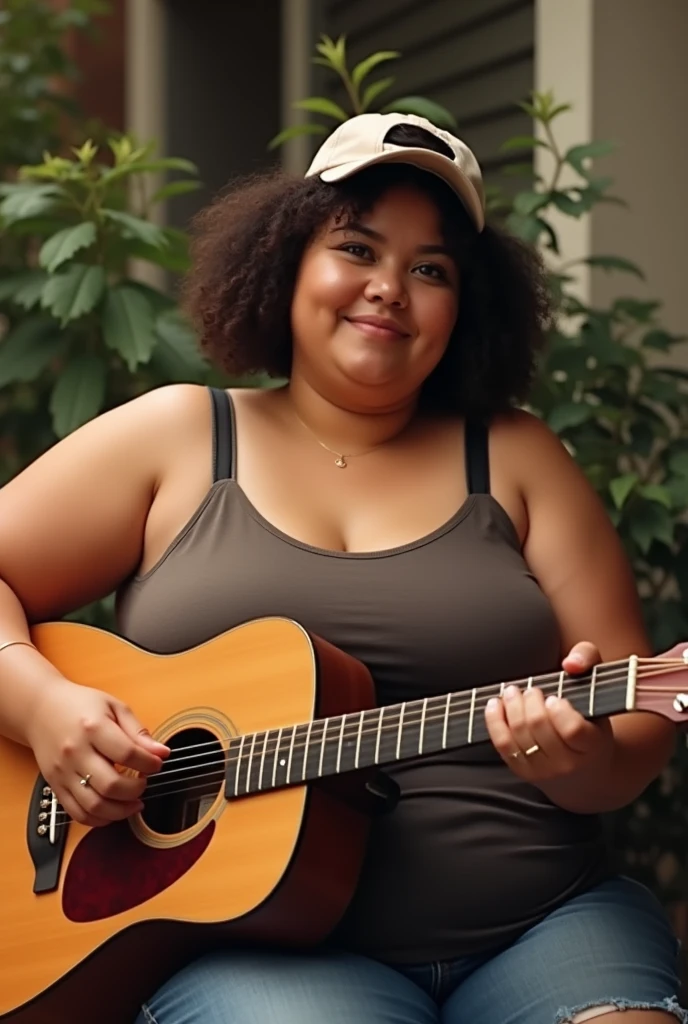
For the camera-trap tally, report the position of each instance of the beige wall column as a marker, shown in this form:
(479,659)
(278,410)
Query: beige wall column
(145,94)
(622,64)
(641,99)
(297,51)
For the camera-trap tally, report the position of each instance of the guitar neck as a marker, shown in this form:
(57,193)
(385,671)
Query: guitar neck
(309,751)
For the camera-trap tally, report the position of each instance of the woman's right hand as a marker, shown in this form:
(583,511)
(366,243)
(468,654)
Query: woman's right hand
(79,733)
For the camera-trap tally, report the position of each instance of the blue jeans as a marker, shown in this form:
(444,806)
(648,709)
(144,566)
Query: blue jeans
(610,947)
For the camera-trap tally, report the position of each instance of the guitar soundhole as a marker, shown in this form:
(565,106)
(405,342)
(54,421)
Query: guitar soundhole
(186,787)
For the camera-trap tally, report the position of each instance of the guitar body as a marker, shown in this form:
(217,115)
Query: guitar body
(136,900)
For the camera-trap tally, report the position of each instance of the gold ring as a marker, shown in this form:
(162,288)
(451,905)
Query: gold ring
(86,781)
(532,750)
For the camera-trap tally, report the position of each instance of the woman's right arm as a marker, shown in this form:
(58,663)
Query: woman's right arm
(71,530)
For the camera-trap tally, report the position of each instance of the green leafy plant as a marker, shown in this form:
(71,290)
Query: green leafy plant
(90,332)
(35,109)
(360,94)
(606,384)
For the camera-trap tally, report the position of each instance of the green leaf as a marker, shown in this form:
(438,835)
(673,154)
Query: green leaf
(661,340)
(28,201)
(577,155)
(168,163)
(636,309)
(375,89)
(79,393)
(135,227)
(128,325)
(62,246)
(174,256)
(621,487)
(364,67)
(11,285)
(569,205)
(679,463)
(651,522)
(28,349)
(519,142)
(177,351)
(527,203)
(422,107)
(74,292)
(570,414)
(655,492)
(31,291)
(614,263)
(294,131)
(321,105)
(175,188)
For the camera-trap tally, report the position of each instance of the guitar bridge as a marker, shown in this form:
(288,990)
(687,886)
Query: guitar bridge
(46,835)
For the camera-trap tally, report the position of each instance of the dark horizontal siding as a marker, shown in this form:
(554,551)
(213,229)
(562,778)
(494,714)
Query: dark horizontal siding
(473,56)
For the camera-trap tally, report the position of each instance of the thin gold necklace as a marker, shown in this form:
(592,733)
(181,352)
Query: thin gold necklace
(340,462)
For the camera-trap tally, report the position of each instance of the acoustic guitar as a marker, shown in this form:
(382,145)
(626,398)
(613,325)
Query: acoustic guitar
(255,828)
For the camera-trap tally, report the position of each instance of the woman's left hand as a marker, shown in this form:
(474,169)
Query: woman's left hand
(542,738)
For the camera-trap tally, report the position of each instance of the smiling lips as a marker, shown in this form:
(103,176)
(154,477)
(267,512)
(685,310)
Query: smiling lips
(378,327)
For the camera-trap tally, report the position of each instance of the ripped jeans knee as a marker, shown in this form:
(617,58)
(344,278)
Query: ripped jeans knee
(590,1012)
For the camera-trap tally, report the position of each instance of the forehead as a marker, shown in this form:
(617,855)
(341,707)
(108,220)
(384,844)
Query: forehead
(400,208)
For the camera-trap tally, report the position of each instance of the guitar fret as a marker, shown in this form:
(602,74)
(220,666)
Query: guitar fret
(339,745)
(530,683)
(291,753)
(399,729)
(237,770)
(262,760)
(446,722)
(561,684)
(379,735)
(250,762)
(358,738)
(422,726)
(322,748)
(591,706)
(275,759)
(305,751)
(471,715)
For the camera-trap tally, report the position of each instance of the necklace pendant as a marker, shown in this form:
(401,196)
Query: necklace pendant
(341,462)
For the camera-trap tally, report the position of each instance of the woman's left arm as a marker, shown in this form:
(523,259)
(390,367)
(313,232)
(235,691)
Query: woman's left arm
(576,556)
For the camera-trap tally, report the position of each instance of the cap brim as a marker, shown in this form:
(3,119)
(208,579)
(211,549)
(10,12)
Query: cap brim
(427,160)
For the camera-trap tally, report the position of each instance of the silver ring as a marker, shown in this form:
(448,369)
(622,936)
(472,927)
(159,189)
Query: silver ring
(86,781)
(532,750)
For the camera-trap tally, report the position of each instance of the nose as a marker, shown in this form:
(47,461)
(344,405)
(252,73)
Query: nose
(386,285)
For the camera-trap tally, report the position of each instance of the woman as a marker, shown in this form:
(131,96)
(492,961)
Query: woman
(392,499)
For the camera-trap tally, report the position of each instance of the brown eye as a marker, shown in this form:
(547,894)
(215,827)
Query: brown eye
(356,249)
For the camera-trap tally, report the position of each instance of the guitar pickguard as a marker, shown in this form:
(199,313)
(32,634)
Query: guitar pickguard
(111,871)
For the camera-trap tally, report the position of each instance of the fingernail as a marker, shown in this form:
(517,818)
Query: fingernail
(552,701)
(578,658)
(511,692)
(492,705)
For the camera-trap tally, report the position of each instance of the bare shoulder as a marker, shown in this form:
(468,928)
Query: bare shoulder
(72,523)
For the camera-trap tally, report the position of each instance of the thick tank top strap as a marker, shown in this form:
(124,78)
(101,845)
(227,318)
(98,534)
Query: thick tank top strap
(477,457)
(223,435)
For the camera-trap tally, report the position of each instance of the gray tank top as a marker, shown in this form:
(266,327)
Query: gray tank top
(471,856)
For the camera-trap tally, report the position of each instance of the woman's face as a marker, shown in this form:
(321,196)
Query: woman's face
(375,303)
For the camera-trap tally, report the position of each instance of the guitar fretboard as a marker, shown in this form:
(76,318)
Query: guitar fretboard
(301,753)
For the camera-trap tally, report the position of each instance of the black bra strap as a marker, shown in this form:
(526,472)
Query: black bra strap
(223,435)
(477,457)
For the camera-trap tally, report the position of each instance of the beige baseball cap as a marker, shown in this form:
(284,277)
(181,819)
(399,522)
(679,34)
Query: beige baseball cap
(360,142)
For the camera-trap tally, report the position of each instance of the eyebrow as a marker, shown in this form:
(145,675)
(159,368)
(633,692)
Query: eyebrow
(361,229)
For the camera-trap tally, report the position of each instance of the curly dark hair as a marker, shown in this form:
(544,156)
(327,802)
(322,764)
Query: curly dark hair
(247,250)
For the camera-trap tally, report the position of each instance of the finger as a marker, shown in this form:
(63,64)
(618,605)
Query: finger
(543,732)
(102,809)
(130,725)
(109,739)
(581,657)
(500,733)
(575,731)
(76,812)
(514,703)
(104,778)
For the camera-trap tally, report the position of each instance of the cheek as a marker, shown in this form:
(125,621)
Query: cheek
(436,316)
(326,284)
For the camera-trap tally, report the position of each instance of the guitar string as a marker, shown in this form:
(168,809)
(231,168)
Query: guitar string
(266,749)
(412,717)
(389,728)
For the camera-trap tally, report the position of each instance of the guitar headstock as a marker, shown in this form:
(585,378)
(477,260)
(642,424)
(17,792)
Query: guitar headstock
(662,685)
